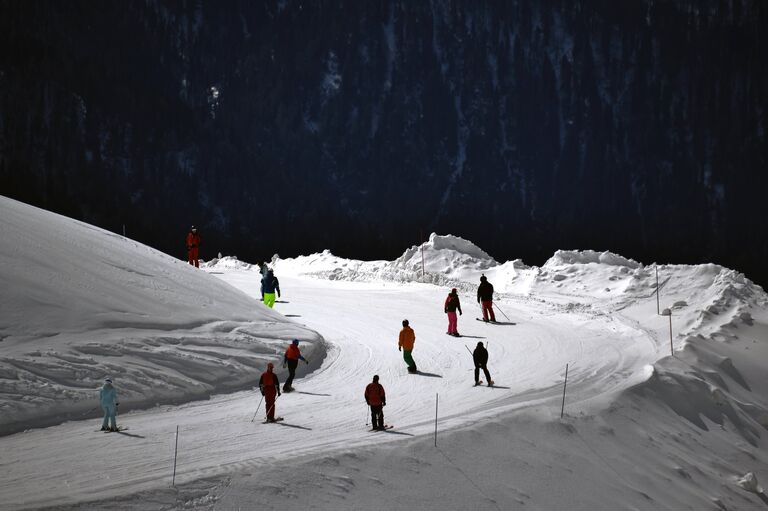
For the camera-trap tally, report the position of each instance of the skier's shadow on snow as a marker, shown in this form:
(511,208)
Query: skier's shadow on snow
(499,387)
(129,434)
(292,315)
(312,393)
(293,426)
(472,337)
(281,301)
(431,375)
(389,431)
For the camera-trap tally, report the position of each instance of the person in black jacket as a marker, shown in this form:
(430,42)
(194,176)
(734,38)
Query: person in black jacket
(480,356)
(485,297)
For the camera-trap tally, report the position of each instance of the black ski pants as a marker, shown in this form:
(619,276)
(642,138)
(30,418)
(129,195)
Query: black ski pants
(485,371)
(377,416)
(292,364)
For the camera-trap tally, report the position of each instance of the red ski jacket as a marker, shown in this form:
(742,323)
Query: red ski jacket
(374,395)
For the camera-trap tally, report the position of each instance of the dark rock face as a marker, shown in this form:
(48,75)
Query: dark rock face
(289,126)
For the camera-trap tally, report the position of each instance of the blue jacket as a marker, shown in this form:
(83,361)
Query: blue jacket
(108,396)
(269,283)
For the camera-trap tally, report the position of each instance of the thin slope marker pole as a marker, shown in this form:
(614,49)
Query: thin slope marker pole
(421,235)
(175,453)
(658,309)
(565,383)
(436,399)
(668,312)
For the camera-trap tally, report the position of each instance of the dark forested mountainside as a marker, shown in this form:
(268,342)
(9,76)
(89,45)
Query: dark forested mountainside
(289,126)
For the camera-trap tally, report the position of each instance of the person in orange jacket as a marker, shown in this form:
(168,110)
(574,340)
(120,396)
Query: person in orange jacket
(193,247)
(452,305)
(405,344)
(376,398)
(269,386)
(291,359)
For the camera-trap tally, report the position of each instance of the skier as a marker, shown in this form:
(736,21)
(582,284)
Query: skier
(377,400)
(193,247)
(263,270)
(480,356)
(405,344)
(269,284)
(108,400)
(485,297)
(291,359)
(269,386)
(452,305)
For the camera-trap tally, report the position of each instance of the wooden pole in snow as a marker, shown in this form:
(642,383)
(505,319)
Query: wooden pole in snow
(175,453)
(565,383)
(436,398)
(421,235)
(668,312)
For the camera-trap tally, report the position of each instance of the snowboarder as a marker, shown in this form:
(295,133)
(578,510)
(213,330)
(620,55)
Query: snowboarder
(291,359)
(193,247)
(269,386)
(452,305)
(485,298)
(108,401)
(405,344)
(480,356)
(377,400)
(269,284)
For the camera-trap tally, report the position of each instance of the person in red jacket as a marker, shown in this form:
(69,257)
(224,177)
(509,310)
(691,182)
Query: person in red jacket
(269,386)
(291,359)
(452,305)
(377,400)
(193,247)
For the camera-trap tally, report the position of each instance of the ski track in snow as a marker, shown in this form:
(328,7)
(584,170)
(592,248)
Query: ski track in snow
(360,323)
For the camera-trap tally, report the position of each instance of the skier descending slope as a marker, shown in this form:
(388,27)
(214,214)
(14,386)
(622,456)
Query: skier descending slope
(270,284)
(480,357)
(108,400)
(405,344)
(377,400)
(485,297)
(452,305)
(269,386)
(291,359)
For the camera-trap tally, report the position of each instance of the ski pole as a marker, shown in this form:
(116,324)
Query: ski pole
(366,417)
(469,351)
(257,408)
(502,312)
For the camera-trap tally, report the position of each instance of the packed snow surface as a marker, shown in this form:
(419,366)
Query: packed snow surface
(79,304)
(641,429)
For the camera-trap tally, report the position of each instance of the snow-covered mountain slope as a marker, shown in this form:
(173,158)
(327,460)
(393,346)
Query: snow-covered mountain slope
(642,429)
(78,303)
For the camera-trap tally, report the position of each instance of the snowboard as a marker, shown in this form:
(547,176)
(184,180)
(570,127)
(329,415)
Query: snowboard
(277,419)
(386,427)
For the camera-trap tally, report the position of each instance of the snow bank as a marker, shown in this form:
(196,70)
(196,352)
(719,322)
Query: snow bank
(79,303)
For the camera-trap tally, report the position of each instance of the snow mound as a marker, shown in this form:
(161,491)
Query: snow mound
(570,257)
(105,305)
(226,263)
